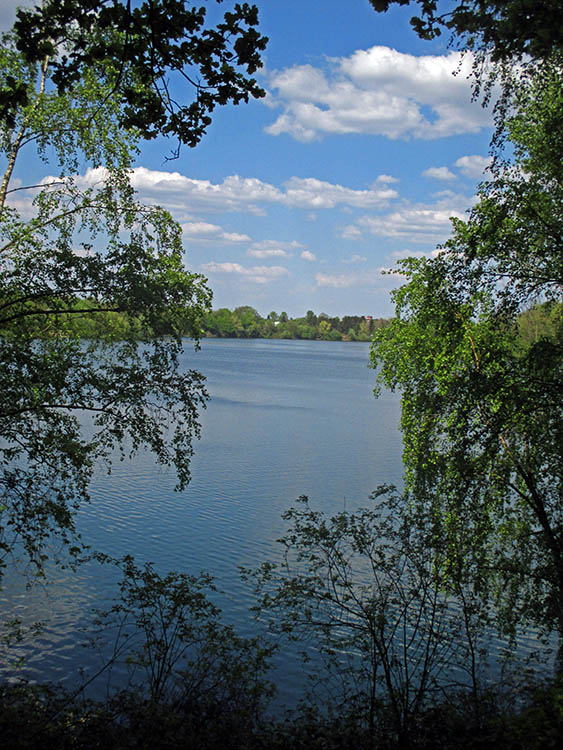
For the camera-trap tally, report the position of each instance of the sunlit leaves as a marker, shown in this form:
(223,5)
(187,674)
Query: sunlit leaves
(79,387)
(160,51)
(479,364)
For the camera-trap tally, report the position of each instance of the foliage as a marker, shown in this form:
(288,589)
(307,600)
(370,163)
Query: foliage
(503,28)
(246,322)
(88,318)
(79,252)
(161,49)
(367,592)
(169,633)
(482,404)
(33,717)
(174,673)
(537,323)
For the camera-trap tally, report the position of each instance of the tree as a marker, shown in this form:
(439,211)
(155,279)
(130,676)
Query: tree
(160,48)
(502,28)
(482,412)
(248,321)
(168,634)
(225,323)
(83,245)
(324,329)
(365,591)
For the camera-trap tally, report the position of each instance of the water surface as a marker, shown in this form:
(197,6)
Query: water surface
(285,418)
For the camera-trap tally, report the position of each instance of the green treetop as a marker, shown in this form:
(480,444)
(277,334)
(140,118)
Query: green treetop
(482,407)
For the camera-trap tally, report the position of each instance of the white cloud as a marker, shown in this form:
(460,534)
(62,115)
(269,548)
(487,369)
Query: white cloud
(308,255)
(273,253)
(273,249)
(424,223)
(386,179)
(183,195)
(200,231)
(337,281)
(439,173)
(255,274)
(268,244)
(378,91)
(417,223)
(351,232)
(22,204)
(355,259)
(20,196)
(398,255)
(401,254)
(348,280)
(179,193)
(312,193)
(473,166)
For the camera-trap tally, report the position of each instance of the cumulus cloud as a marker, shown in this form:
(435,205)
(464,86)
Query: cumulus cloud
(419,223)
(308,255)
(255,274)
(20,196)
(473,166)
(337,281)
(312,193)
(426,223)
(183,195)
(273,249)
(250,194)
(386,179)
(351,232)
(179,192)
(439,173)
(348,280)
(406,253)
(201,231)
(267,244)
(378,91)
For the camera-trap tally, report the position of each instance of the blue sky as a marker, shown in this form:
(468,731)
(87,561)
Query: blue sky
(364,147)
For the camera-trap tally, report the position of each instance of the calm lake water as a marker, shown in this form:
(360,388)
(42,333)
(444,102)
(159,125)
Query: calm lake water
(286,418)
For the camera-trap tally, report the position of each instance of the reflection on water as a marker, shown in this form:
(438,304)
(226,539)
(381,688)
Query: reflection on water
(286,418)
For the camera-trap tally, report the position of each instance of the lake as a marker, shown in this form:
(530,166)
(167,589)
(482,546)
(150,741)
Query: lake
(285,418)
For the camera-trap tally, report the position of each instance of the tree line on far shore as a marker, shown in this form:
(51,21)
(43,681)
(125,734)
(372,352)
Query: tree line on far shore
(246,322)
(86,320)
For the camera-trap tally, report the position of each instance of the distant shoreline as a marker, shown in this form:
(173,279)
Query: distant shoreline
(246,322)
(343,340)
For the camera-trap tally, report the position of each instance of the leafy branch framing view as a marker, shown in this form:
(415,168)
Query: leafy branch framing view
(398,599)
